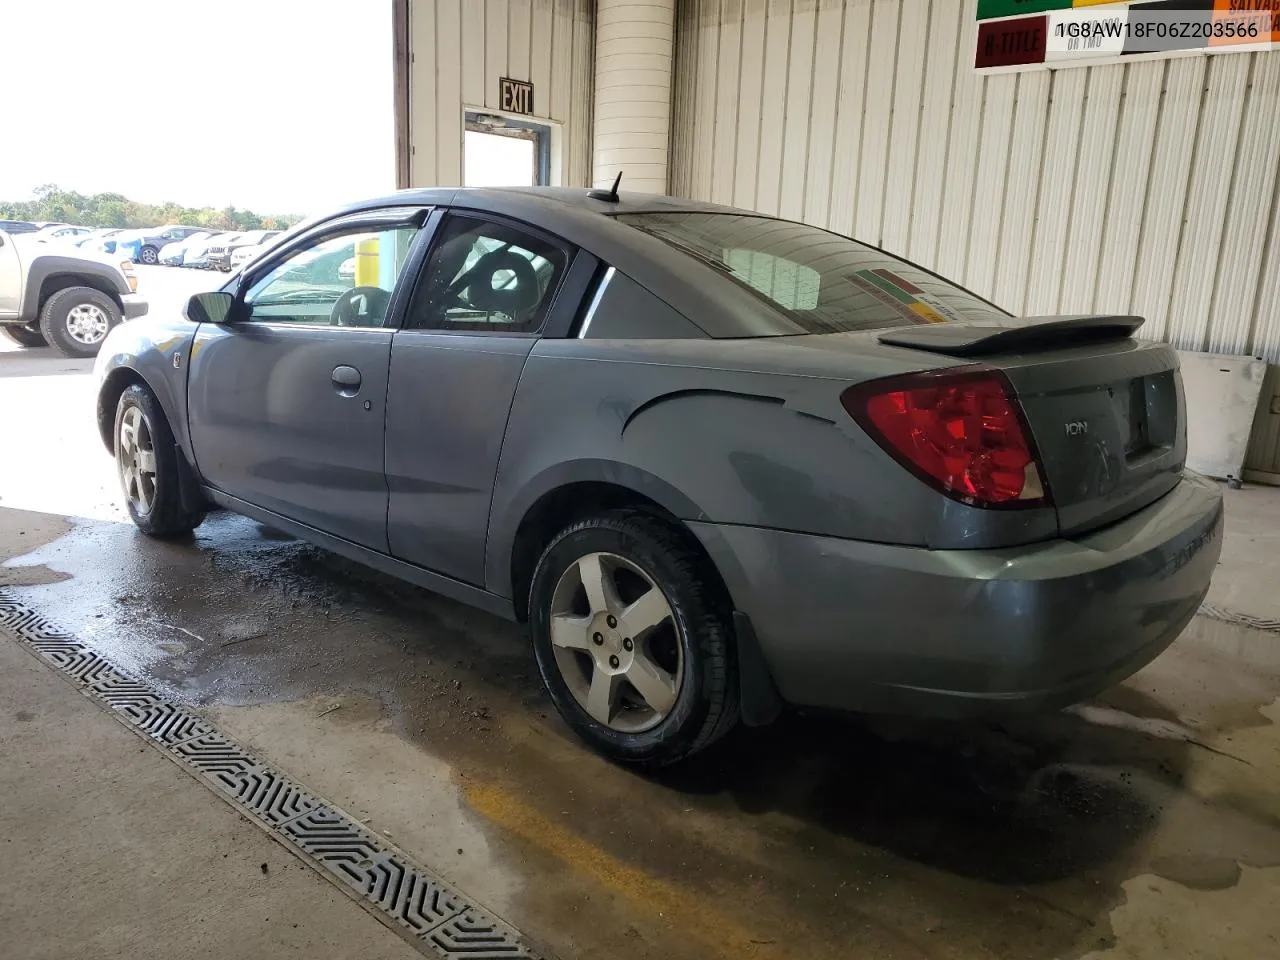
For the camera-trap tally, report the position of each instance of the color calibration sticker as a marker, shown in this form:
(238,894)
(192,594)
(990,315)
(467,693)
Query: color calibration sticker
(1063,33)
(901,294)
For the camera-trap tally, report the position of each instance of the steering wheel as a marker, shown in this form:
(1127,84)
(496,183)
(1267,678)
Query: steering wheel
(360,307)
(483,295)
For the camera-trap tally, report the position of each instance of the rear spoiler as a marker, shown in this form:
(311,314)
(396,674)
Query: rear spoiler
(1023,333)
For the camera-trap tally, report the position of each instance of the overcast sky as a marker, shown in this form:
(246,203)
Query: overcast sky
(278,106)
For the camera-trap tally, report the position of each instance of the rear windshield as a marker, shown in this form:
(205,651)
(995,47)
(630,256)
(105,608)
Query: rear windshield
(817,282)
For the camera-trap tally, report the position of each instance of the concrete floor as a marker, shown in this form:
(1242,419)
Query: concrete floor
(1143,825)
(111,851)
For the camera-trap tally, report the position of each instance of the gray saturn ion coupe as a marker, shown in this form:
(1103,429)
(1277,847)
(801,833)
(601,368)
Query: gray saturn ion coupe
(718,461)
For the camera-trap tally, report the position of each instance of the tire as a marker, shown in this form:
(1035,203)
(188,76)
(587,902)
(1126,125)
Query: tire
(161,514)
(25,336)
(696,638)
(63,315)
(148,255)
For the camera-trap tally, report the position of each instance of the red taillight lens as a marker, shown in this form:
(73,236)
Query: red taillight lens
(962,433)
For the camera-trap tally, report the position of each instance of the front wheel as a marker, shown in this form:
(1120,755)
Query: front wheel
(633,640)
(147,461)
(24,336)
(149,255)
(76,320)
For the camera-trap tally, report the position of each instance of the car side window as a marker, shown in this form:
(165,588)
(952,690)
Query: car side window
(487,275)
(344,281)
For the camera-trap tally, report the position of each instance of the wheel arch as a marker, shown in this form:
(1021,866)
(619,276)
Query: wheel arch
(759,700)
(113,386)
(570,492)
(65,280)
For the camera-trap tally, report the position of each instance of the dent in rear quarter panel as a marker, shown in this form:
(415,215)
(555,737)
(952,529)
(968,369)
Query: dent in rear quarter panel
(723,446)
(148,347)
(744,432)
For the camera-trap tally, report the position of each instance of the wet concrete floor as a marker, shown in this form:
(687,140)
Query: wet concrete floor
(1146,824)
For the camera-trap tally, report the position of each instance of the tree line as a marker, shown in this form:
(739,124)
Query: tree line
(51,202)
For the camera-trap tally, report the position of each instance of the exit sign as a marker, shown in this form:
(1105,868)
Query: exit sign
(515,96)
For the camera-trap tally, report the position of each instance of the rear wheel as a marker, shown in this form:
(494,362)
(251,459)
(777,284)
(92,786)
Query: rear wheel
(149,254)
(76,320)
(632,640)
(25,336)
(147,462)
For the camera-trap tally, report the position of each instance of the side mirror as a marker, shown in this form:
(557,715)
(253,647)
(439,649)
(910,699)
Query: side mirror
(212,307)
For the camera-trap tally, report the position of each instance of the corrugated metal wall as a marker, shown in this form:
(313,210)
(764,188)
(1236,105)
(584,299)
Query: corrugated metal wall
(460,49)
(1148,188)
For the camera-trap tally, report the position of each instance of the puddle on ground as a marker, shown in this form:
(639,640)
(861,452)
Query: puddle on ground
(1161,919)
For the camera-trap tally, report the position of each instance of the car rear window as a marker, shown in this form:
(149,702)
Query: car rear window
(816,281)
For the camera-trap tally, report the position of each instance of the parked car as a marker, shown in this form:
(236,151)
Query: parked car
(197,254)
(143,246)
(172,253)
(105,242)
(242,255)
(95,240)
(719,462)
(219,254)
(62,297)
(60,232)
(15,227)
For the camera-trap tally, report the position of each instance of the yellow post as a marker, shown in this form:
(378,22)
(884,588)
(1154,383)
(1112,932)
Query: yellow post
(367,262)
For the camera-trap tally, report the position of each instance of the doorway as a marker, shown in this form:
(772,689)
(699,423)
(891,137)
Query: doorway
(499,151)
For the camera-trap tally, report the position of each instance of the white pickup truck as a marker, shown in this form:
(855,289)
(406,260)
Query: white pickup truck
(62,297)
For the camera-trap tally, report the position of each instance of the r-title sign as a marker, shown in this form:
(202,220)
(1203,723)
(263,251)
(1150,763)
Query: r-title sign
(1046,34)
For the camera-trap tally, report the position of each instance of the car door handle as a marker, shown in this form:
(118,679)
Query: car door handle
(346,380)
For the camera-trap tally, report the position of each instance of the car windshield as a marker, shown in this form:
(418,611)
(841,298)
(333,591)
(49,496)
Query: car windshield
(816,281)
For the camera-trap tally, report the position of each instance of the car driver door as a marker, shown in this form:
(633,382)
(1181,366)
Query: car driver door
(286,403)
(488,290)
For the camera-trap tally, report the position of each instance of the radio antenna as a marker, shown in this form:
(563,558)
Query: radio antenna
(610,195)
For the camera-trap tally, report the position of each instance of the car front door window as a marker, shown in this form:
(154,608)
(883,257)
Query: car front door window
(488,276)
(345,280)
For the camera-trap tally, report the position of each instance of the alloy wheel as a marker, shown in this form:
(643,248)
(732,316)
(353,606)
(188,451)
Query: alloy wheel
(87,323)
(137,460)
(616,642)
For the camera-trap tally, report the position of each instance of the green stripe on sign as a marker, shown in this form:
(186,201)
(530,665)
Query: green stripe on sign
(887,287)
(989,9)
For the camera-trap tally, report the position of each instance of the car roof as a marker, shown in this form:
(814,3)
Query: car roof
(576,198)
(724,308)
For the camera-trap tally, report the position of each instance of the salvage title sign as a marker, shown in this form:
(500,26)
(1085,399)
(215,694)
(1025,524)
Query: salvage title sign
(1046,34)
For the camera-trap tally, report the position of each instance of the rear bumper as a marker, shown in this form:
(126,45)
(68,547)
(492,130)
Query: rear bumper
(134,306)
(871,627)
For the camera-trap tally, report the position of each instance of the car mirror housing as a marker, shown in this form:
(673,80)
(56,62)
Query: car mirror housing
(211,307)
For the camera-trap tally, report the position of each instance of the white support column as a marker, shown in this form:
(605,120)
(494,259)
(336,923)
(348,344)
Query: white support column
(635,58)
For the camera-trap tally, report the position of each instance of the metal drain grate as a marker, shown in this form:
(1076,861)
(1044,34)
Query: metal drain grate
(438,919)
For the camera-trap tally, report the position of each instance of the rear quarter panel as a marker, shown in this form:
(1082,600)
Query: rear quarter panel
(733,433)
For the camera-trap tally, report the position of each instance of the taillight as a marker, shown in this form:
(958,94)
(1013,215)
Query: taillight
(962,432)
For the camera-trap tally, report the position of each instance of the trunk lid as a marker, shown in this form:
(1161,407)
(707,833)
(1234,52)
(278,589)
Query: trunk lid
(1106,411)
